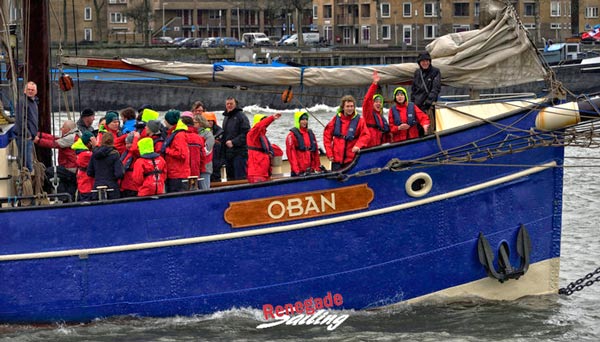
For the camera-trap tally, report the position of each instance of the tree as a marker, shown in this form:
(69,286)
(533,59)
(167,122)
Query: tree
(299,6)
(98,5)
(141,14)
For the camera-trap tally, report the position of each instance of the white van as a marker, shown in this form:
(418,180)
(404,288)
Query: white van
(256,39)
(309,39)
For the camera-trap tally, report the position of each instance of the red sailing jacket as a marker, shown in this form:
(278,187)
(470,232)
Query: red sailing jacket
(128,160)
(66,155)
(85,183)
(368,114)
(149,173)
(119,139)
(259,160)
(197,148)
(301,160)
(339,148)
(177,152)
(413,131)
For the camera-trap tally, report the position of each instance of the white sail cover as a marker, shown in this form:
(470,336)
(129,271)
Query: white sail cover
(498,55)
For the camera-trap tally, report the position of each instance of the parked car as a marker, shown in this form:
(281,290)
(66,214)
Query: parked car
(274,40)
(183,41)
(309,39)
(255,39)
(162,41)
(209,42)
(177,40)
(282,39)
(229,42)
(193,43)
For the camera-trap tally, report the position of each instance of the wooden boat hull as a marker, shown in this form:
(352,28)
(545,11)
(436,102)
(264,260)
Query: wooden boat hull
(359,234)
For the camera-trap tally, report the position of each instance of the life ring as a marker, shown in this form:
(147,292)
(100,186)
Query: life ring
(418,185)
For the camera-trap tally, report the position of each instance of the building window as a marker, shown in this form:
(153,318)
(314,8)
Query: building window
(87,14)
(328,33)
(386,33)
(461,9)
(555,26)
(112,1)
(431,31)
(407,34)
(327,12)
(529,9)
(366,34)
(118,18)
(460,28)
(555,9)
(591,12)
(385,10)
(477,8)
(407,9)
(529,26)
(315,12)
(430,9)
(87,34)
(365,10)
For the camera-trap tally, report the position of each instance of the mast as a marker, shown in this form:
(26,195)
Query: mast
(37,51)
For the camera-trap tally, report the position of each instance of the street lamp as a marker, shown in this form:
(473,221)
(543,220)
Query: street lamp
(416,31)
(164,29)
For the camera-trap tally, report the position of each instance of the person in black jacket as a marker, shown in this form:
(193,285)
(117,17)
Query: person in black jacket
(106,167)
(235,128)
(426,86)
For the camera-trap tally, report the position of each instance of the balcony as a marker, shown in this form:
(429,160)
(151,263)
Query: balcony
(344,20)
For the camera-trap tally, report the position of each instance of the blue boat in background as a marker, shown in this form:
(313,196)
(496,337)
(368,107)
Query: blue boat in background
(472,210)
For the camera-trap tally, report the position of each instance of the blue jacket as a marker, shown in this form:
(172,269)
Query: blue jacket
(32,118)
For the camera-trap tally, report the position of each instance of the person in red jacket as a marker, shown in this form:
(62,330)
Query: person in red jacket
(301,147)
(83,149)
(176,152)
(196,144)
(66,155)
(128,187)
(111,124)
(372,112)
(155,130)
(66,167)
(149,170)
(405,117)
(260,150)
(345,134)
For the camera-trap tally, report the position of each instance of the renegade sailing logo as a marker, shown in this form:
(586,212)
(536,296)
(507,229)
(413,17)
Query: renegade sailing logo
(309,312)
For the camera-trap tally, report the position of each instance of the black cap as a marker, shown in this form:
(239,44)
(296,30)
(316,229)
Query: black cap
(87,112)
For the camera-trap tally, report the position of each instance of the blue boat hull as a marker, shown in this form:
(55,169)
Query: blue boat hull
(178,255)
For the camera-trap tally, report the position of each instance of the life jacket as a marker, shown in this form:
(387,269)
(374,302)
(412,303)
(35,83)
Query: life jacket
(157,138)
(128,158)
(300,139)
(337,129)
(380,123)
(169,140)
(265,146)
(410,115)
(156,172)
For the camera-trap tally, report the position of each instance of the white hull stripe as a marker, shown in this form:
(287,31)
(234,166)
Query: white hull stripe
(218,237)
